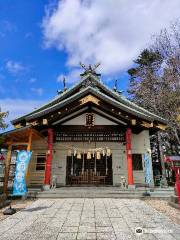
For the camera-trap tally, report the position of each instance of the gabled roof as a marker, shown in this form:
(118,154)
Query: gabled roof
(91,83)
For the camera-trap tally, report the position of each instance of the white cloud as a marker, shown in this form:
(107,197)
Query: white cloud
(15,67)
(112,32)
(18,107)
(38,91)
(72,77)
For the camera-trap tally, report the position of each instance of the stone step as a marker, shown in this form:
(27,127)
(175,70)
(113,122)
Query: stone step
(105,192)
(100,196)
(174,199)
(99,192)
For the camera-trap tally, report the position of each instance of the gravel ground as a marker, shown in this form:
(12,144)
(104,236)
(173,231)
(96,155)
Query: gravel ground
(163,207)
(17,204)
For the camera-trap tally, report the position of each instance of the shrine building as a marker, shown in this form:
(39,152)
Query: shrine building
(88,134)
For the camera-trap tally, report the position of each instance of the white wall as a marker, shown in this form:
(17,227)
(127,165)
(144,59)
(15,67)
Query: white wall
(141,145)
(81,120)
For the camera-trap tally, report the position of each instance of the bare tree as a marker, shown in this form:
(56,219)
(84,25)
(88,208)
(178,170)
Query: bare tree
(3,115)
(155,79)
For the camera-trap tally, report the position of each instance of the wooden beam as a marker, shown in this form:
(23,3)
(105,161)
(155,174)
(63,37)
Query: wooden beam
(17,125)
(89,98)
(34,123)
(147,124)
(162,126)
(7,169)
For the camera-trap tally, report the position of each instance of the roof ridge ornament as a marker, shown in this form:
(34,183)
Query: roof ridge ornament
(90,69)
(64,86)
(116,87)
(64,83)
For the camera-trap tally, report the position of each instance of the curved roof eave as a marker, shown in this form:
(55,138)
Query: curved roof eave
(57,99)
(104,97)
(63,97)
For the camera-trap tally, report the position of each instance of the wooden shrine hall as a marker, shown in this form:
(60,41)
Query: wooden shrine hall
(88,134)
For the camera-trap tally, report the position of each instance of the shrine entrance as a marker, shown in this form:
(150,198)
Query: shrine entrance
(89,171)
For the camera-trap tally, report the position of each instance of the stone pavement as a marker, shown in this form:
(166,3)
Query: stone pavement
(102,218)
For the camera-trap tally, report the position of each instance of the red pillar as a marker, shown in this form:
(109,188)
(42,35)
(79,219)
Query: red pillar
(47,179)
(177,185)
(129,156)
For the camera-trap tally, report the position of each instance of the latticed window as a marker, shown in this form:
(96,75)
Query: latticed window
(137,162)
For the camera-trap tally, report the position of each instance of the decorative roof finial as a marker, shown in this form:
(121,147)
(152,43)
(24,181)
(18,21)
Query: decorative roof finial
(64,83)
(64,86)
(90,69)
(115,86)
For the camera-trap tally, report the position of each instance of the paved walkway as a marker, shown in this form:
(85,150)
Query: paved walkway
(88,219)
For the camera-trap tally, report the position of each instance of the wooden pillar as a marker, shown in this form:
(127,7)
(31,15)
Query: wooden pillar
(47,179)
(7,169)
(28,149)
(30,140)
(129,156)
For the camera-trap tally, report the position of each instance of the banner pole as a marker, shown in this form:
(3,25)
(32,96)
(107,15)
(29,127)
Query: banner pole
(28,149)
(7,169)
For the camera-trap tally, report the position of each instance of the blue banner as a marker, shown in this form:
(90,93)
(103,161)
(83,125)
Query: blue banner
(148,168)
(22,162)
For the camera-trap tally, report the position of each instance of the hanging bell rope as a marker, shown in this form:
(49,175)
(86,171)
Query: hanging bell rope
(106,165)
(83,164)
(108,152)
(72,165)
(78,155)
(95,164)
(88,155)
(98,155)
(91,152)
(69,153)
(103,152)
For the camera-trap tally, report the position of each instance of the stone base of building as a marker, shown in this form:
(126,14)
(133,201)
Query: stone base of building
(46,187)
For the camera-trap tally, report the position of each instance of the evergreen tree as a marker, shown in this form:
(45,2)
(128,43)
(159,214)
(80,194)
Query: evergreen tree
(154,87)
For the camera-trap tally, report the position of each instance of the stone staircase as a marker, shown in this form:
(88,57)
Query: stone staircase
(100,192)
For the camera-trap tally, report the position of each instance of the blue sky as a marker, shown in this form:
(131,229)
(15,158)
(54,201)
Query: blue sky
(42,40)
(21,42)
